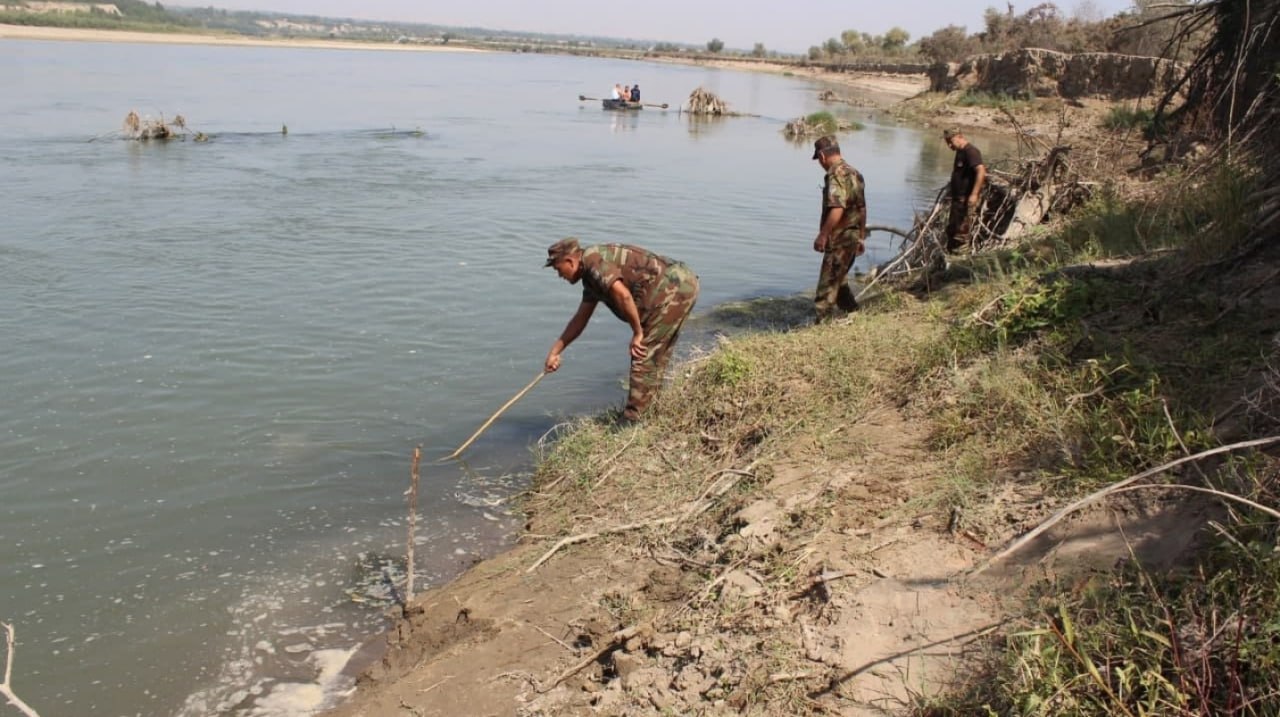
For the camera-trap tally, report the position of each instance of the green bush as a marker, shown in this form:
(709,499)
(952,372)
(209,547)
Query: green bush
(823,121)
(1126,118)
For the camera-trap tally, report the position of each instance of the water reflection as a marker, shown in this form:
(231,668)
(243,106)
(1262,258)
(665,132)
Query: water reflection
(624,121)
(704,124)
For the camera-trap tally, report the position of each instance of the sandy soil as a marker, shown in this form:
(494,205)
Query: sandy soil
(625,626)
(873,89)
(25,32)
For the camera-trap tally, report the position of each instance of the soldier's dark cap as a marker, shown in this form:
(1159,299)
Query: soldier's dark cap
(825,144)
(950,132)
(560,249)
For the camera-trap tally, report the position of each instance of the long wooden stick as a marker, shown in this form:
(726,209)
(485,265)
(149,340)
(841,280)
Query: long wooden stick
(1115,488)
(413,524)
(494,417)
(6,688)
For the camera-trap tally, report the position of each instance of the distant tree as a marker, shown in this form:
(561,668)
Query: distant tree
(895,39)
(833,47)
(950,44)
(1042,26)
(715,45)
(445,37)
(1087,11)
(815,52)
(853,41)
(758,50)
(1141,32)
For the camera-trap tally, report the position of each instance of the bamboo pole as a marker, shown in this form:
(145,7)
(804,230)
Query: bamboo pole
(494,417)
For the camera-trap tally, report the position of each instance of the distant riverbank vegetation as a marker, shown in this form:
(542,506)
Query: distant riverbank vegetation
(1145,29)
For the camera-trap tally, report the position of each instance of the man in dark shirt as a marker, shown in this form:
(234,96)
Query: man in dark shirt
(842,229)
(968,174)
(650,293)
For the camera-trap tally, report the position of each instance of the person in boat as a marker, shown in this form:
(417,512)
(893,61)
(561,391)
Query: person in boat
(842,230)
(626,93)
(635,93)
(617,92)
(651,293)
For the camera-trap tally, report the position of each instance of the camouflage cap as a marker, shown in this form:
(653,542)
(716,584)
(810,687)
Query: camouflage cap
(950,132)
(560,249)
(825,144)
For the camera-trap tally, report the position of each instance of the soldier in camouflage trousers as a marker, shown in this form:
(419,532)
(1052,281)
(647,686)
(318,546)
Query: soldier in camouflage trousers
(650,293)
(842,231)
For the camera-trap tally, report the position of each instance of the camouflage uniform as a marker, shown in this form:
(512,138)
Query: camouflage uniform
(664,291)
(843,188)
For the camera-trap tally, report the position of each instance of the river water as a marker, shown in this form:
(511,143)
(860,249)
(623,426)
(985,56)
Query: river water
(216,357)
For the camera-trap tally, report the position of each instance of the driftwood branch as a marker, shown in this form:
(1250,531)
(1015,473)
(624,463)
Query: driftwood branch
(704,501)
(584,537)
(618,638)
(6,687)
(1116,488)
(886,228)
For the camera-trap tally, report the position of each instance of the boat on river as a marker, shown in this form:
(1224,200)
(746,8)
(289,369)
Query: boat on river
(621,105)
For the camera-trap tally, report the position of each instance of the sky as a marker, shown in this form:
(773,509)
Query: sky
(784,25)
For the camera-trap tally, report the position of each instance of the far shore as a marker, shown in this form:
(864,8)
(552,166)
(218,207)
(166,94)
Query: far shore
(884,89)
(68,34)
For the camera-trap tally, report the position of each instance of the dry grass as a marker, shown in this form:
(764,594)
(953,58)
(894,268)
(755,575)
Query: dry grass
(1039,373)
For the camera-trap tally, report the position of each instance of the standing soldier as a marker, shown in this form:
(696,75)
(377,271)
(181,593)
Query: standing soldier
(967,177)
(842,231)
(651,293)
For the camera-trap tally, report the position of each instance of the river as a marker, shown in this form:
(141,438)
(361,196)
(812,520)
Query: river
(218,356)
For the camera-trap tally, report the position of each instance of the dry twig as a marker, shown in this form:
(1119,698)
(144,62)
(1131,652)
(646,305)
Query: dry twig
(6,687)
(1115,488)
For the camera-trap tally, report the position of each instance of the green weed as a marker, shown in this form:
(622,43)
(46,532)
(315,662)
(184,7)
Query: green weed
(823,121)
(1127,118)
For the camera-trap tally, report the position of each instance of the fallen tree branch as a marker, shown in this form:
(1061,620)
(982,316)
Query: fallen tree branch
(1114,488)
(6,687)
(887,228)
(618,638)
(697,507)
(1221,494)
(584,537)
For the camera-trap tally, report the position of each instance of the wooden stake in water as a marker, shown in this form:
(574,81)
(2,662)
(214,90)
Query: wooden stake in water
(413,523)
(494,417)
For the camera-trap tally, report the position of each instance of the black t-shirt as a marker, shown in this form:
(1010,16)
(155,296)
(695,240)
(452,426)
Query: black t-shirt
(965,172)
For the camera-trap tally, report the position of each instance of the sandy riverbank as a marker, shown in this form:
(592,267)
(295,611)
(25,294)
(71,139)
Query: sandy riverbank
(67,34)
(879,89)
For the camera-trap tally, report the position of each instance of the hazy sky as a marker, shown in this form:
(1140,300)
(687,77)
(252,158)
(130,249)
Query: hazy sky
(786,25)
